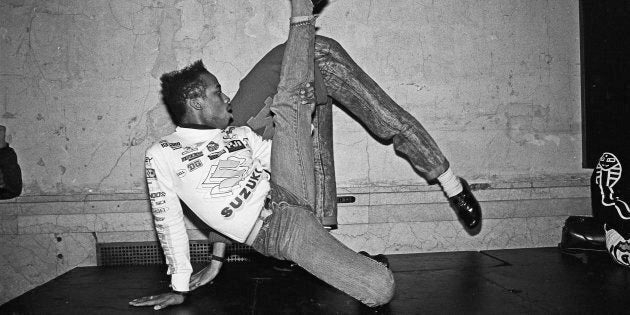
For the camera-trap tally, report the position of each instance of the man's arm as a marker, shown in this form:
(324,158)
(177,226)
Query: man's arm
(171,230)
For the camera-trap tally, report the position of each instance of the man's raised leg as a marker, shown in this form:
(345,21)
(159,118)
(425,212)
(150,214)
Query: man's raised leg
(292,150)
(292,231)
(357,92)
(354,90)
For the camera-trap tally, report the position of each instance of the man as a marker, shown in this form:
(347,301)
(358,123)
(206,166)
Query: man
(337,76)
(222,174)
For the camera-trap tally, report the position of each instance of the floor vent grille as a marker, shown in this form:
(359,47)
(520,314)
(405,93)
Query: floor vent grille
(150,253)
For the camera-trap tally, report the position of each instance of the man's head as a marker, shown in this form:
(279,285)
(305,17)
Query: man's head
(193,96)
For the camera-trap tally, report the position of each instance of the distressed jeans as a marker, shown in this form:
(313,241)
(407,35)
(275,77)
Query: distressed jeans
(353,90)
(359,94)
(338,77)
(292,231)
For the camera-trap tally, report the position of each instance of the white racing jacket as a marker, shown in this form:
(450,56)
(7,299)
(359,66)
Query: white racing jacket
(221,175)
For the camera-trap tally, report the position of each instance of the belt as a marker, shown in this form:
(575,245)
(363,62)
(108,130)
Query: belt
(264,213)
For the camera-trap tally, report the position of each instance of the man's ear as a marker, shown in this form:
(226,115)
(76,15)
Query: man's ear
(194,103)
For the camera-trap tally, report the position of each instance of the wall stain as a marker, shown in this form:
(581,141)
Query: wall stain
(480,186)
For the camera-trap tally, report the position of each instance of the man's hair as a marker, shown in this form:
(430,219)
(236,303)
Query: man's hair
(181,85)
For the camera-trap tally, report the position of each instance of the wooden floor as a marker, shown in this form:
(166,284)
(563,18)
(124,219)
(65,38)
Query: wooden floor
(490,282)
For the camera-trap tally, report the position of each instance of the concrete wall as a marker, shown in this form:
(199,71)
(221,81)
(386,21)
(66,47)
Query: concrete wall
(495,82)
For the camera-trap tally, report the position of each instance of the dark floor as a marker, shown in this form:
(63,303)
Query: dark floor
(490,282)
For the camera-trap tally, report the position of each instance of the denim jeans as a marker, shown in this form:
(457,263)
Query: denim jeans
(249,109)
(292,231)
(359,94)
(353,90)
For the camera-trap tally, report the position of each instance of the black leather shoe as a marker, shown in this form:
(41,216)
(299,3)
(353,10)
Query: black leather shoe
(466,207)
(380,258)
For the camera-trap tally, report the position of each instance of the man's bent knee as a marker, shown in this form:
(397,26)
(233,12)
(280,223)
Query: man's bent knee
(323,42)
(386,289)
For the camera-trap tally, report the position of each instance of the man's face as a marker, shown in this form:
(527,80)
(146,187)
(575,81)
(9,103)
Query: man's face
(216,107)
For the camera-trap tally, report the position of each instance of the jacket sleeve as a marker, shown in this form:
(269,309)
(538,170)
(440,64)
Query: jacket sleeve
(169,219)
(11,174)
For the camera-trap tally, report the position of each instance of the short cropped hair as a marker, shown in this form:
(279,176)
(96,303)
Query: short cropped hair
(181,85)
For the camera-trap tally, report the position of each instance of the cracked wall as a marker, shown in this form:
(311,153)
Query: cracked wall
(496,83)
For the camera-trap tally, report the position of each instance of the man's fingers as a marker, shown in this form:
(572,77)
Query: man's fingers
(204,281)
(193,285)
(145,301)
(149,300)
(200,278)
(158,301)
(141,300)
(194,280)
(163,304)
(167,302)
(199,283)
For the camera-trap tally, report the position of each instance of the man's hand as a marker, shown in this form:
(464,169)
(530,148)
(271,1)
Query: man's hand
(206,275)
(203,277)
(159,301)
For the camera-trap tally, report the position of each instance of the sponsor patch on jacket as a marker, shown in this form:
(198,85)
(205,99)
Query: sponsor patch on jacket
(150,172)
(160,210)
(172,145)
(194,165)
(188,150)
(234,145)
(181,173)
(192,156)
(212,146)
(228,132)
(214,155)
(147,161)
(157,194)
